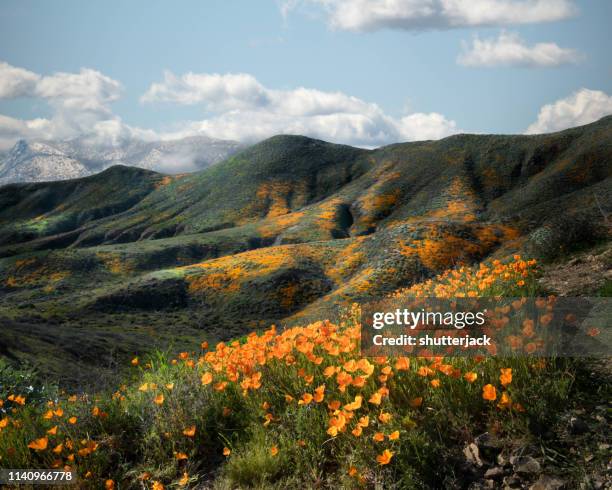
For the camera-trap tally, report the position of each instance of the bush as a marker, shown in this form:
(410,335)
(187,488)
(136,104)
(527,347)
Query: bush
(23,381)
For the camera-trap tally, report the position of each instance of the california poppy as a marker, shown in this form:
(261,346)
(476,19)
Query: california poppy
(39,444)
(416,402)
(488,392)
(184,480)
(384,417)
(385,457)
(506,376)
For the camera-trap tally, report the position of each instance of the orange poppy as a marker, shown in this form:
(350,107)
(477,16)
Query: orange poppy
(385,457)
(488,392)
(319,394)
(184,480)
(416,402)
(39,444)
(385,417)
(506,376)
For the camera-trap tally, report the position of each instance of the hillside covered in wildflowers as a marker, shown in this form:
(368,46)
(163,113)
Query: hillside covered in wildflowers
(203,330)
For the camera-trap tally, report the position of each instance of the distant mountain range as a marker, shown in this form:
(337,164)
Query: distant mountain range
(38,161)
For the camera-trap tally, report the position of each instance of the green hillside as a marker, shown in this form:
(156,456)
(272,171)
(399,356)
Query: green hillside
(94,269)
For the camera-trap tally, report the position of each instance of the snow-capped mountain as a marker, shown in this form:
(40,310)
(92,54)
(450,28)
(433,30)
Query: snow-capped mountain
(37,161)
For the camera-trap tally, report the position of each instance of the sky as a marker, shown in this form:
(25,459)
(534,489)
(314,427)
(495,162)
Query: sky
(360,72)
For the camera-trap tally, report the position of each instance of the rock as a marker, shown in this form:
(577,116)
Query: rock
(481,485)
(525,465)
(578,426)
(472,454)
(502,460)
(495,473)
(511,482)
(547,482)
(489,445)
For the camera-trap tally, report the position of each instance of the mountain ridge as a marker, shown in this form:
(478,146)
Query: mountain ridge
(37,161)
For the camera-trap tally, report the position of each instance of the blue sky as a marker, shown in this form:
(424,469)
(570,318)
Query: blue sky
(399,66)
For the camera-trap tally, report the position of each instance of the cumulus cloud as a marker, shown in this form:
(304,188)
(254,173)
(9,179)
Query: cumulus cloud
(243,109)
(509,49)
(80,105)
(237,107)
(372,15)
(582,107)
(16,82)
(233,91)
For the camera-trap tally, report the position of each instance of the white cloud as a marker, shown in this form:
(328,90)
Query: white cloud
(80,105)
(16,82)
(372,15)
(243,109)
(237,106)
(88,90)
(582,107)
(509,49)
(233,91)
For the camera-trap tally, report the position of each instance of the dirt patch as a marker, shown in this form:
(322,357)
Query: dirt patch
(583,275)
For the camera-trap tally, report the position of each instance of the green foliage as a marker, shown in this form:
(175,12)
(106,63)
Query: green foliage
(24,381)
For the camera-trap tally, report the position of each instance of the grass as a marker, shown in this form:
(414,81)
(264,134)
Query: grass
(606,289)
(294,409)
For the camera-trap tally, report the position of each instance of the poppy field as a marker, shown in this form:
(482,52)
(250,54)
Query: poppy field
(296,408)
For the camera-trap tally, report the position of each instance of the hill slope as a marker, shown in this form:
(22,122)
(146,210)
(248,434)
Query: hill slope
(283,230)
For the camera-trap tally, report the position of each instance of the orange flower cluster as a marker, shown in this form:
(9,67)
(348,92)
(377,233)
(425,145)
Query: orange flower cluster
(322,370)
(474,282)
(62,449)
(324,357)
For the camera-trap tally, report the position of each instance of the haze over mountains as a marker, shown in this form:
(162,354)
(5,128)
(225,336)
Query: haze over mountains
(37,161)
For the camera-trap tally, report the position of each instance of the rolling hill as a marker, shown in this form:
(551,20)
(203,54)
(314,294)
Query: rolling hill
(128,259)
